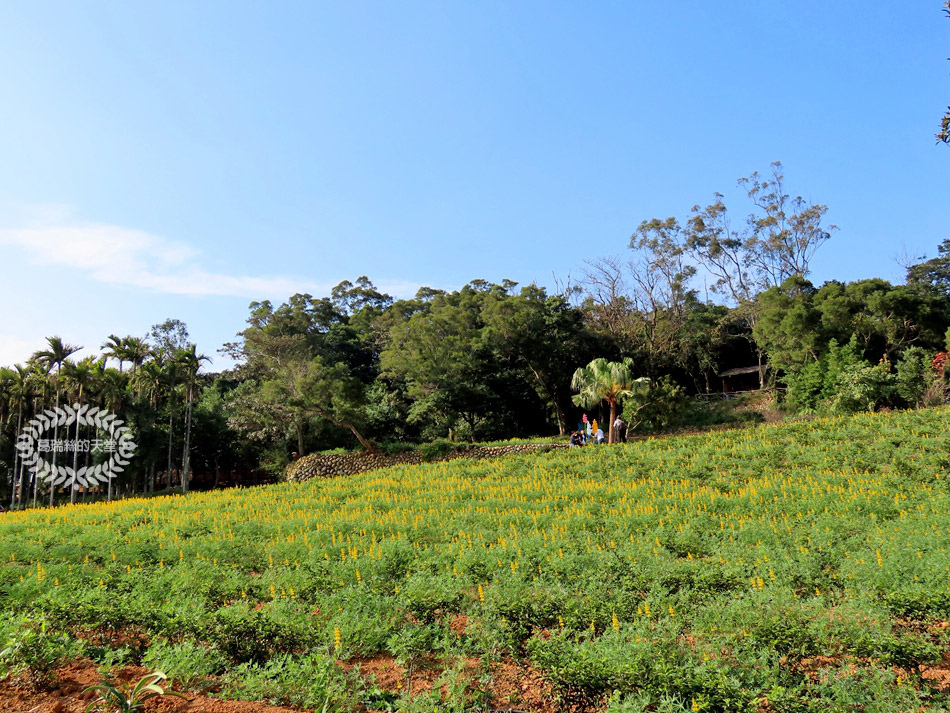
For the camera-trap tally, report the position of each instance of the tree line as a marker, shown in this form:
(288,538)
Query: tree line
(693,297)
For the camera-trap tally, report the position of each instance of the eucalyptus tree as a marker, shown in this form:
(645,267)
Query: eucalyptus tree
(54,356)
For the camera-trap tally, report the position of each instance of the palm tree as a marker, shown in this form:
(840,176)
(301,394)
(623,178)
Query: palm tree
(8,378)
(150,383)
(114,348)
(19,390)
(112,389)
(77,378)
(171,373)
(41,388)
(55,355)
(190,362)
(137,351)
(609,381)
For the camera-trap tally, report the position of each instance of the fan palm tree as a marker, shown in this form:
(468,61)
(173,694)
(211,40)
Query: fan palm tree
(609,381)
(55,355)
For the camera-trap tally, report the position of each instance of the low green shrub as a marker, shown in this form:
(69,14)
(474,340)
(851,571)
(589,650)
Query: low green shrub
(189,663)
(313,681)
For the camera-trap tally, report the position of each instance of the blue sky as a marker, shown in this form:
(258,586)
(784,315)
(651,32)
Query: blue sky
(183,159)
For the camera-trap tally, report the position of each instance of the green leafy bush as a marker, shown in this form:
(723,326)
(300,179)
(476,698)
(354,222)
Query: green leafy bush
(33,650)
(188,662)
(662,407)
(313,681)
(436,449)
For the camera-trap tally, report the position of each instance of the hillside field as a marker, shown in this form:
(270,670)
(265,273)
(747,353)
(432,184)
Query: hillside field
(801,567)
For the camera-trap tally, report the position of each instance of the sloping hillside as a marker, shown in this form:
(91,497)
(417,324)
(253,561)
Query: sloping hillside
(800,567)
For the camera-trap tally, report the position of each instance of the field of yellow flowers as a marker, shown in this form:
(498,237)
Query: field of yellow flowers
(800,567)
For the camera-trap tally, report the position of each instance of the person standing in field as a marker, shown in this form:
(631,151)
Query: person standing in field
(620,428)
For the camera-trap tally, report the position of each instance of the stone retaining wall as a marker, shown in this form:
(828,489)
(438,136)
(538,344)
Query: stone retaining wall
(331,466)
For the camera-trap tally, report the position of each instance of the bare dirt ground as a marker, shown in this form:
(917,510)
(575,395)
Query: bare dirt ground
(513,688)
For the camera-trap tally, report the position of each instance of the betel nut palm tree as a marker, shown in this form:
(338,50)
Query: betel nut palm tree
(609,381)
(57,353)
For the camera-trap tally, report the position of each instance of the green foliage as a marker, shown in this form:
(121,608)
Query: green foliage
(840,381)
(274,460)
(712,571)
(663,407)
(119,699)
(788,328)
(312,681)
(863,387)
(189,663)
(913,375)
(436,449)
(813,386)
(32,649)
(603,380)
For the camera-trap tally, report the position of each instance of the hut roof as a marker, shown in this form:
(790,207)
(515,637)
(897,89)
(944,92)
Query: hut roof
(742,370)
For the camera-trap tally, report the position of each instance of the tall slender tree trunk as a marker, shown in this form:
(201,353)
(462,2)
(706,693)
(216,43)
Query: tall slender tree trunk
(186,455)
(52,487)
(168,471)
(613,417)
(16,455)
(21,494)
(85,489)
(74,486)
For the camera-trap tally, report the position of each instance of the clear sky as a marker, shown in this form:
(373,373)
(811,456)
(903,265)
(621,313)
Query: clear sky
(181,159)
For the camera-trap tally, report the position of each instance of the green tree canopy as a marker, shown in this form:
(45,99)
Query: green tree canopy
(609,381)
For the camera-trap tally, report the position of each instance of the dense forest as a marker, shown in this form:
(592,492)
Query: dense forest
(694,298)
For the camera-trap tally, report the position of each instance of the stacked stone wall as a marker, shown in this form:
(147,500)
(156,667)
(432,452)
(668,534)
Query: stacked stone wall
(332,466)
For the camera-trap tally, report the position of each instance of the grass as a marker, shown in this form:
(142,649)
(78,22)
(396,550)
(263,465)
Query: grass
(803,564)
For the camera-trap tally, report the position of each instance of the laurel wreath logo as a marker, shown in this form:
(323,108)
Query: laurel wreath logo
(119,437)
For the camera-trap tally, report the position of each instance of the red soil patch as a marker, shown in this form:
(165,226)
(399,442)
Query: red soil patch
(520,687)
(513,687)
(71,680)
(389,676)
(459,625)
(939,675)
